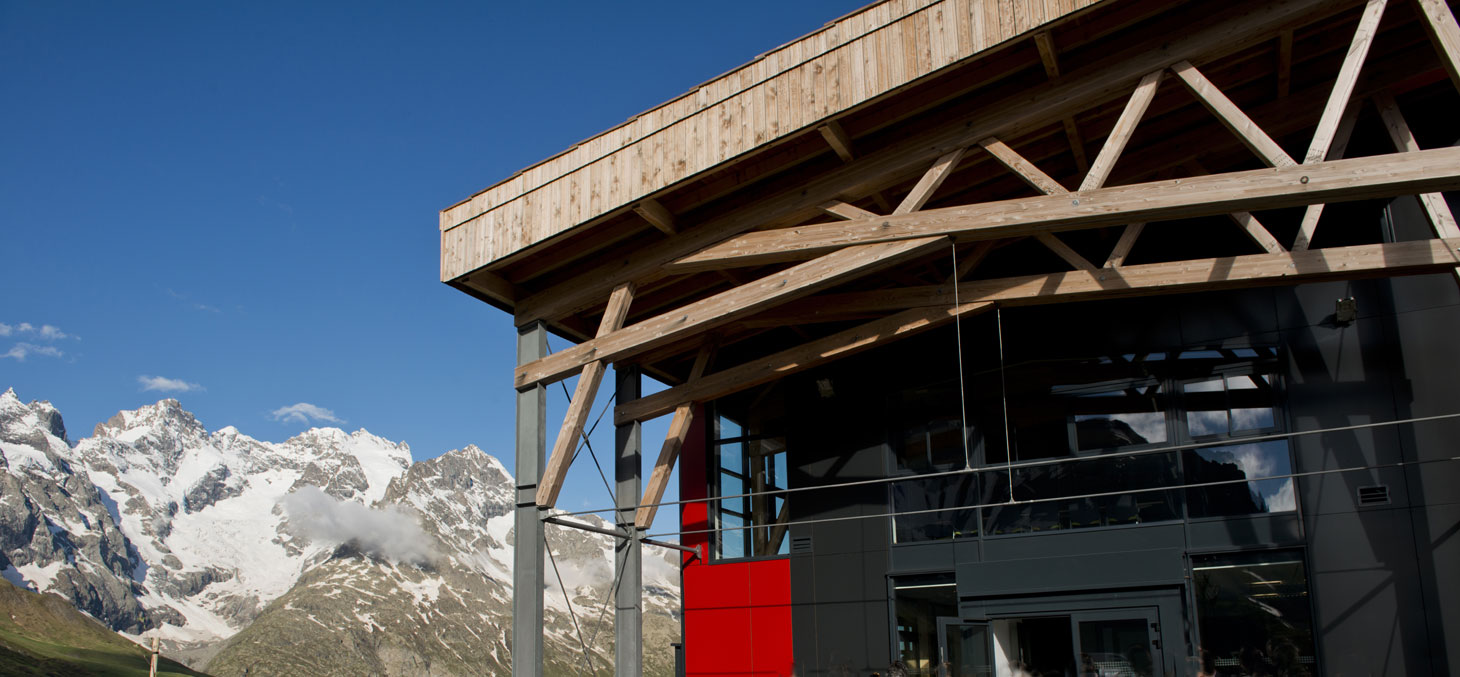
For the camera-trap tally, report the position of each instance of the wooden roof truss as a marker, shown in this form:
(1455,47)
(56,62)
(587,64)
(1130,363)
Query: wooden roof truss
(877,272)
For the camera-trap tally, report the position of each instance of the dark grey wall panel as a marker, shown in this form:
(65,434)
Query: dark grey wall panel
(1164,566)
(1235,317)
(1437,541)
(1369,607)
(1085,541)
(1313,304)
(936,556)
(1237,533)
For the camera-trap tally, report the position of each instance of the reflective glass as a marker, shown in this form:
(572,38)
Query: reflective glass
(1234,463)
(1046,484)
(919,602)
(728,429)
(1254,614)
(935,502)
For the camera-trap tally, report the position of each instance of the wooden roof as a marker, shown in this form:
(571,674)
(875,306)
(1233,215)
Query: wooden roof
(782,93)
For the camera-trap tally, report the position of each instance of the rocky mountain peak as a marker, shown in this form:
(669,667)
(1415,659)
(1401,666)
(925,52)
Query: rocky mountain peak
(19,420)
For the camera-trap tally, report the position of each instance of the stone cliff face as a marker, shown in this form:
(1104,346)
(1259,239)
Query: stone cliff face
(156,526)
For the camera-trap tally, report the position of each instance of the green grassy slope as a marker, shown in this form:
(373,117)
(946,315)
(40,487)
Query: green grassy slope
(45,635)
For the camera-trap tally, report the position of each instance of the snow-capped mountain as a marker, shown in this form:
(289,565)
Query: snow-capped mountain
(329,553)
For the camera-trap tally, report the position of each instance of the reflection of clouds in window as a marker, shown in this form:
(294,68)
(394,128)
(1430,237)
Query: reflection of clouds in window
(1150,426)
(1206,422)
(1254,460)
(1251,419)
(1279,496)
(1208,386)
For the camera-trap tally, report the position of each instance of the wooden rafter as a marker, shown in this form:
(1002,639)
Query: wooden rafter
(1343,86)
(1049,56)
(566,445)
(1249,224)
(1341,137)
(929,183)
(725,307)
(1032,108)
(972,258)
(1123,245)
(1125,126)
(1063,251)
(843,210)
(1025,169)
(1285,64)
(925,307)
(1435,207)
(673,442)
(1232,117)
(837,138)
(1439,23)
(1336,180)
(656,215)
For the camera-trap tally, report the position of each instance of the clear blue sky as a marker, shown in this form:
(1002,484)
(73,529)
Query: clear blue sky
(241,198)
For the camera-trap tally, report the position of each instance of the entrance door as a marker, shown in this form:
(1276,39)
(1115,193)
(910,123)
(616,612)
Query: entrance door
(964,649)
(1117,643)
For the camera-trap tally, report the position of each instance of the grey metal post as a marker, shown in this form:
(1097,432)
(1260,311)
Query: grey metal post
(527,565)
(628,612)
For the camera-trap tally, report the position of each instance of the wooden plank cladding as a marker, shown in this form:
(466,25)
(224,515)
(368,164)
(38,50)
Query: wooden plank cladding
(848,62)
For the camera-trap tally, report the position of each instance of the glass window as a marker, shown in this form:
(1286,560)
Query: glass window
(1239,462)
(919,601)
(750,521)
(928,509)
(1253,613)
(1136,475)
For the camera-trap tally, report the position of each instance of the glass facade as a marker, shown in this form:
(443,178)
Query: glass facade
(918,603)
(749,521)
(1253,614)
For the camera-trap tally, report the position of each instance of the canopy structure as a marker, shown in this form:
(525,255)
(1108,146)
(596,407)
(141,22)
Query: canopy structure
(919,160)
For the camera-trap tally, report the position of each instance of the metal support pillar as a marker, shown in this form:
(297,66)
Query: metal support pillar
(629,599)
(527,564)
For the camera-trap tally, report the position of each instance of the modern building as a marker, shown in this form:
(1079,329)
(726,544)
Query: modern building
(1070,337)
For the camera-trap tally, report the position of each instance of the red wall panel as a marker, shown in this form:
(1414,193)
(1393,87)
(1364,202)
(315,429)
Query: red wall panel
(737,615)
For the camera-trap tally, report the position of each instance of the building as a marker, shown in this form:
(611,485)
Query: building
(1103,337)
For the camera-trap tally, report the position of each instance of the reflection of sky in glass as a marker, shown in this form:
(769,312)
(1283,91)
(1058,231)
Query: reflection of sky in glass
(1263,459)
(1206,422)
(728,428)
(1150,425)
(730,456)
(1251,419)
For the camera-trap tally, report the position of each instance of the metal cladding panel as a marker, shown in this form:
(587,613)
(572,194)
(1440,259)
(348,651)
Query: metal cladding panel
(1089,572)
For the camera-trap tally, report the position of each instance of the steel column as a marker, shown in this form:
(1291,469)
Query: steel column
(628,470)
(527,564)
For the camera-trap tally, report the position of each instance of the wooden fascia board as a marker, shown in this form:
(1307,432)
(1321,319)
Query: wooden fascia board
(926,307)
(723,308)
(1033,108)
(1425,171)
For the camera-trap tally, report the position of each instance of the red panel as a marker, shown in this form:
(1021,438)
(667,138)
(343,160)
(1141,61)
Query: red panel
(737,616)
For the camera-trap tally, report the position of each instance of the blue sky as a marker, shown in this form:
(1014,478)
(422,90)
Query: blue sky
(234,204)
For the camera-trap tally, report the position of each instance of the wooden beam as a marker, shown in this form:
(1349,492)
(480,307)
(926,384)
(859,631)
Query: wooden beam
(725,307)
(1047,54)
(565,447)
(673,442)
(1031,108)
(926,186)
(1148,279)
(1436,209)
(797,359)
(1125,126)
(1077,144)
(1341,137)
(1232,117)
(1258,232)
(1343,86)
(1063,251)
(1366,178)
(926,307)
(493,284)
(1123,245)
(1026,170)
(656,215)
(837,138)
(843,210)
(1439,22)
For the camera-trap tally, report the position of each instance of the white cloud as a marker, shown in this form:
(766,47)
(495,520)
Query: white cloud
(303,413)
(392,533)
(166,385)
(46,332)
(20,351)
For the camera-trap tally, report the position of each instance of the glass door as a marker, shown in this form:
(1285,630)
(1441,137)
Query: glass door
(1118,643)
(964,649)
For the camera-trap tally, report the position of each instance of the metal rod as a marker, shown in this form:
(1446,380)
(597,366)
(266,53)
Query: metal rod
(585,527)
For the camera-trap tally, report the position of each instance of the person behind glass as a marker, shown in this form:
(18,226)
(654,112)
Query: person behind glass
(1087,666)
(897,670)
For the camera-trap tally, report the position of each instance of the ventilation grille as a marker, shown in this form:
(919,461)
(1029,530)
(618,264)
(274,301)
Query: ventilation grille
(801,545)
(1375,495)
